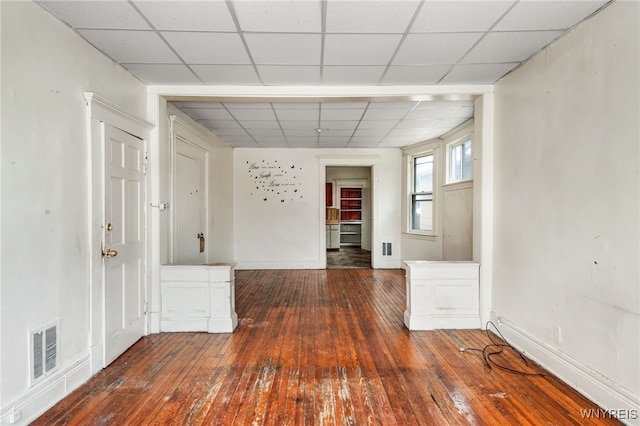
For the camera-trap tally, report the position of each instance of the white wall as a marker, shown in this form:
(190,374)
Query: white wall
(566,259)
(286,230)
(45,194)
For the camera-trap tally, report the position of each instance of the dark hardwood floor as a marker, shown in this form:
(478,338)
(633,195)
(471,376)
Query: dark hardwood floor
(321,347)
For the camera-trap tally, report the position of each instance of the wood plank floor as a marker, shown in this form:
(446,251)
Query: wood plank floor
(318,348)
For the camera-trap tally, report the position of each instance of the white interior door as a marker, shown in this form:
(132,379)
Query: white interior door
(190,204)
(123,250)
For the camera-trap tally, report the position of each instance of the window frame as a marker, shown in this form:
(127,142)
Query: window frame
(412,193)
(450,146)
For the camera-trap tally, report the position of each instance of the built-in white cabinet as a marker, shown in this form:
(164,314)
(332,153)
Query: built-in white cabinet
(442,295)
(333,236)
(198,298)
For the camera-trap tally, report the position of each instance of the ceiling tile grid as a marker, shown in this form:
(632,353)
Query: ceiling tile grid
(322,42)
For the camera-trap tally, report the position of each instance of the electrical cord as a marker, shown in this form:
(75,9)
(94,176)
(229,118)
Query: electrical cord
(496,348)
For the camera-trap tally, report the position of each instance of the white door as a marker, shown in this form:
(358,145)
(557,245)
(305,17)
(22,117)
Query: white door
(189,205)
(123,250)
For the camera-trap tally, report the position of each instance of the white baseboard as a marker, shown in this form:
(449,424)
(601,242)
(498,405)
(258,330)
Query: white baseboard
(45,394)
(437,322)
(600,389)
(251,265)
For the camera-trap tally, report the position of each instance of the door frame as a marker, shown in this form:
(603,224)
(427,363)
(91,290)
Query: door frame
(371,161)
(100,112)
(182,131)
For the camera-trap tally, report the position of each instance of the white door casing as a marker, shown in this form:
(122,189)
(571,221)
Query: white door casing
(101,113)
(124,247)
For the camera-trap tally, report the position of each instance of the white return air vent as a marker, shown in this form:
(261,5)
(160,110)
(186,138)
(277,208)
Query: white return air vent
(44,351)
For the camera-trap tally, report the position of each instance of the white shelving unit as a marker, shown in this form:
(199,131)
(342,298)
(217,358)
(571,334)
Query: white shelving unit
(350,216)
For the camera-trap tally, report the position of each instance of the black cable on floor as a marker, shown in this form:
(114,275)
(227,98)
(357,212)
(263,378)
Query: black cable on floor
(496,348)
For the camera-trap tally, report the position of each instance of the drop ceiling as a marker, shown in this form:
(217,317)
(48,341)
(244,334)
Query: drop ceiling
(316,43)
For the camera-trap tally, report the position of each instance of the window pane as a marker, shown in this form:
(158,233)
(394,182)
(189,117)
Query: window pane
(455,165)
(466,160)
(423,174)
(422,207)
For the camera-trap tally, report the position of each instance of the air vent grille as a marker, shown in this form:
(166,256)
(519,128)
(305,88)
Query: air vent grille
(44,351)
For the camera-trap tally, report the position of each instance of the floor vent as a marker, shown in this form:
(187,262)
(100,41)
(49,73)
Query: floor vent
(386,249)
(44,351)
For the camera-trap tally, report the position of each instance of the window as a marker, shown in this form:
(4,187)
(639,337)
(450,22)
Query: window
(422,194)
(459,164)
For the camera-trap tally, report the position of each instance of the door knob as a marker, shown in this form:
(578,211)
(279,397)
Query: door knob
(109,253)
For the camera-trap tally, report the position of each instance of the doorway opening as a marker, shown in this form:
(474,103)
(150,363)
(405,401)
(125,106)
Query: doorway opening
(348,216)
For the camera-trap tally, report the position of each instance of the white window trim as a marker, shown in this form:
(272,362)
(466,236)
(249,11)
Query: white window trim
(449,147)
(411,153)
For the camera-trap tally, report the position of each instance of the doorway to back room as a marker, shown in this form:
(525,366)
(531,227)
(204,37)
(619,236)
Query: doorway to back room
(348,217)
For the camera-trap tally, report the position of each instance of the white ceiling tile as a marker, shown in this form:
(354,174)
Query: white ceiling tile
(547,15)
(208,48)
(450,123)
(97,14)
(297,114)
(262,133)
(131,46)
(462,112)
(377,124)
(196,104)
(365,140)
(370,133)
(430,113)
(231,132)
(459,16)
(417,124)
(289,75)
(358,49)
(304,140)
(299,124)
(259,124)
(337,132)
(247,105)
(338,124)
(297,133)
(187,15)
(221,124)
(279,16)
(344,75)
(369,16)
(227,74)
(162,74)
(341,114)
(390,113)
(415,74)
(509,46)
(209,114)
(395,142)
(428,49)
(433,133)
(405,133)
(252,114)
(284,49)
(333,139)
